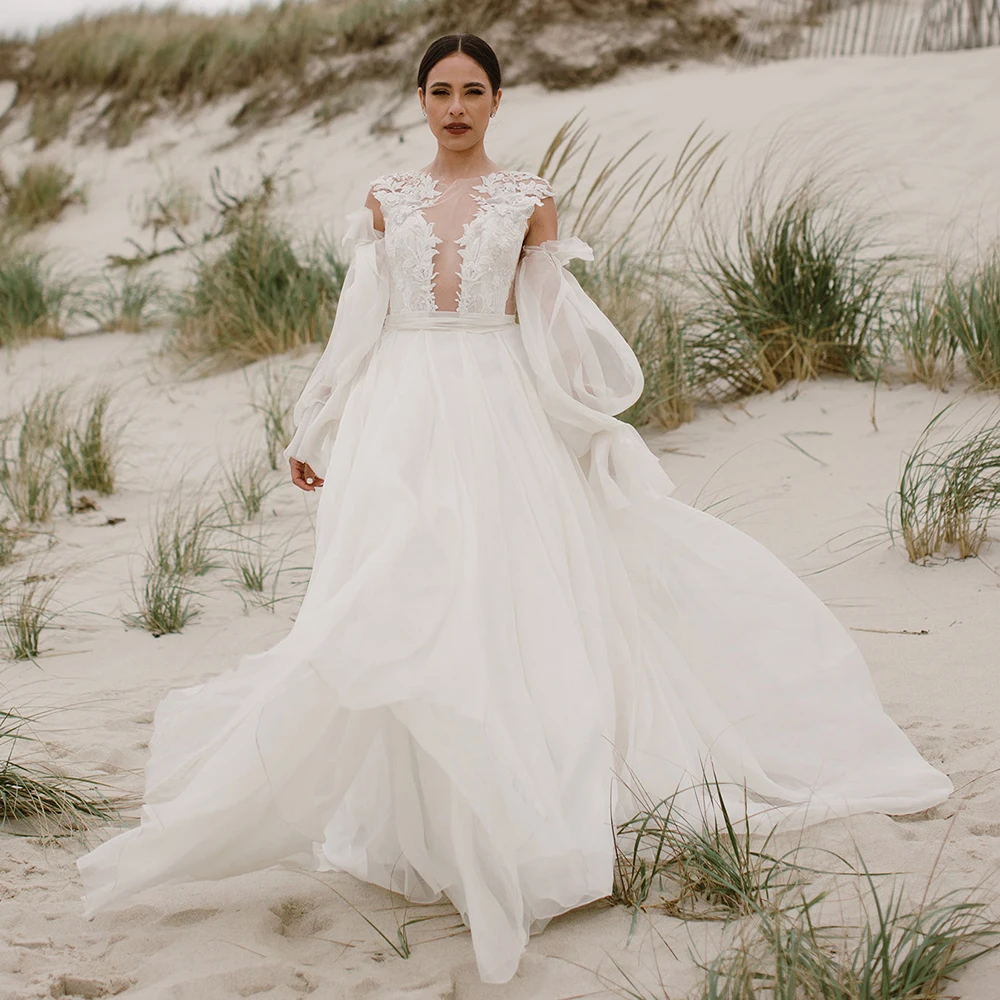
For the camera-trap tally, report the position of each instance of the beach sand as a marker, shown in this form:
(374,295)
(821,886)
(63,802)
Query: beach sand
(807,470)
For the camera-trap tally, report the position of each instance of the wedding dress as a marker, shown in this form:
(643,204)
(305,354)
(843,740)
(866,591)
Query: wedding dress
(510,625)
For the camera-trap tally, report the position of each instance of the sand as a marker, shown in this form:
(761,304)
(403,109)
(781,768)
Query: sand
(807,470)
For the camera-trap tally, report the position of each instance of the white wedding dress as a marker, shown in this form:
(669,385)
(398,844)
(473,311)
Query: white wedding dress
(509,620)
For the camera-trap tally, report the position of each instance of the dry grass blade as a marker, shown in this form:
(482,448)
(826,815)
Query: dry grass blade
(624,197)
(247,487)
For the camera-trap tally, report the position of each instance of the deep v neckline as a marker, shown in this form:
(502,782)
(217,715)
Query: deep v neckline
(451,265)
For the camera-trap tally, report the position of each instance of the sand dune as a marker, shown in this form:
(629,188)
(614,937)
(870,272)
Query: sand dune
(807,471)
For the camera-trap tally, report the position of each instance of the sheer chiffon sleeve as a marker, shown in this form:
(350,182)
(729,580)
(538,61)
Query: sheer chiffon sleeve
(361,311)
(585,373)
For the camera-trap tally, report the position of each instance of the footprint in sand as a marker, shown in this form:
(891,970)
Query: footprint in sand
(185,918)
(68,985)
(297,918)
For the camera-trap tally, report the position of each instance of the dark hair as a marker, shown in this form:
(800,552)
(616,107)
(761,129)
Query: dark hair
(472,45)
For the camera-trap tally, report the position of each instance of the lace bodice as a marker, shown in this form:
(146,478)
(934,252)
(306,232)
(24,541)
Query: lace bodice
(456,248)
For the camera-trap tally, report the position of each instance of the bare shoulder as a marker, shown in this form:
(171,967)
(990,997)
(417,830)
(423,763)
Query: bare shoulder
(372,202)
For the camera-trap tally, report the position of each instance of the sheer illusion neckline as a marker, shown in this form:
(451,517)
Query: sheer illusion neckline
(480,180)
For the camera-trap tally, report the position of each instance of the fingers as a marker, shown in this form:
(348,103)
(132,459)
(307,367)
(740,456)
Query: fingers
(303,476)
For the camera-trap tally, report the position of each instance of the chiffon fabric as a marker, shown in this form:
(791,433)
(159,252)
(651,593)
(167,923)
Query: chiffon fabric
(510,626)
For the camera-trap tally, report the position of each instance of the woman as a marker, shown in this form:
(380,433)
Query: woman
(509,622)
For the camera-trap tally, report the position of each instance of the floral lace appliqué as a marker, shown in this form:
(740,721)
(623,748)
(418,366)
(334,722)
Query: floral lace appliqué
(489,247)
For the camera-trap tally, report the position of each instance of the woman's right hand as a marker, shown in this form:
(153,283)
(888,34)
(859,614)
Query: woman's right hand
(303,476)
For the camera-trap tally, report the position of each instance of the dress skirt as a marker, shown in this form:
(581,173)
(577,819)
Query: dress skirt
(495,646)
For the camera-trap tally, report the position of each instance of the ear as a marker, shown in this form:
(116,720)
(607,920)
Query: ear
(496,100)
(420,97)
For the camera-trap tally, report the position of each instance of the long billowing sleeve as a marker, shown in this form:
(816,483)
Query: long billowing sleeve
(585,372)
(361,312)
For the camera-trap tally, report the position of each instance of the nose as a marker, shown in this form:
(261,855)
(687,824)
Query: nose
(457,108)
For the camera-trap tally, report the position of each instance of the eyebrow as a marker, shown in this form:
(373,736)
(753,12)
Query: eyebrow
(441,83)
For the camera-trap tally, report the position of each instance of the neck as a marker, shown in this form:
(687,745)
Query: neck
(451,164)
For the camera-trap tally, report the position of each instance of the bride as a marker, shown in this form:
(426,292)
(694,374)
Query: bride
(510,623)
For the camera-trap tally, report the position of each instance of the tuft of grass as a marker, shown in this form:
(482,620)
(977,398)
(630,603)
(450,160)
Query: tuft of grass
(51,115)
(89,452)
(275,404)
(629,278)
(30,476)
(8,541)
(246,488)
(40,194)
(182,543)
(971,308)
(164,605)
(797,295)
(949,491)
(710,863)
(33,302)
(635,298)
(175,206)
(25,610)
(33,793)
(918,325)
(256,570)
(897,952)
(257,299)
(131,305)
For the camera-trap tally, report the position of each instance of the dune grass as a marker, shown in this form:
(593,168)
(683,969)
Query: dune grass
(164,603)
(9,536)
(31,479)
(182,542)
(29,792)
(896,951)
(131,304)
(917,324)
(971,309)
(90,451)
(628,211)
(247,487)
(40,194)
(273,400)
(257,299)
(711,864)
(796,295)
(949,490)
(25,607)
(33,301)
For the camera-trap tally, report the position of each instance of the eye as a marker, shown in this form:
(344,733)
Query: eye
(440,92)
(475,93)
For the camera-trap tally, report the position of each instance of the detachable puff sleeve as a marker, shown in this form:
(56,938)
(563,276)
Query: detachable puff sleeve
(585,373)
(361,311)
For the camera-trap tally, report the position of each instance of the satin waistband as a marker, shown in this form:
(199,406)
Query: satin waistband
(455,322)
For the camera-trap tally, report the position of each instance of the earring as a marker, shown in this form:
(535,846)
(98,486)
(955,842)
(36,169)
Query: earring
(493,114)
(424,113)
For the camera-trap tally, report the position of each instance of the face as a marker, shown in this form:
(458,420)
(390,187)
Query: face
(458,101)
